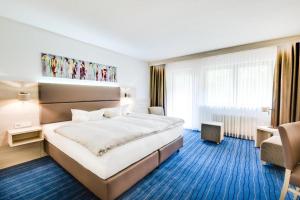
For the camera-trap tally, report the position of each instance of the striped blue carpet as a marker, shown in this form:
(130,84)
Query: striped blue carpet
(201,170)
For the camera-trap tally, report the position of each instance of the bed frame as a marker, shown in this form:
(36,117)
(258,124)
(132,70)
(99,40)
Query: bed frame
(56,101)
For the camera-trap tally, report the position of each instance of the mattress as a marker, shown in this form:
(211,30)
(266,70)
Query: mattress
(114,160)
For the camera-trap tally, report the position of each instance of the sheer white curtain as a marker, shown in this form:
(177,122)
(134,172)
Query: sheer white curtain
(181,90)
(231,88)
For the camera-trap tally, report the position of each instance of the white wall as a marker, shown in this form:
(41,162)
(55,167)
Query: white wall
(20,60)
(21,46)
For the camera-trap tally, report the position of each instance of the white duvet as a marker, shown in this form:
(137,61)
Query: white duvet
(103,135)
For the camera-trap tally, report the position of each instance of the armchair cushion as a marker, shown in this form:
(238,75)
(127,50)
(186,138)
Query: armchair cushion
(271,151)
(156,110)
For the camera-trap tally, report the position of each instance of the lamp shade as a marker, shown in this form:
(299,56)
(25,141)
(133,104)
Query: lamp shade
(24,96)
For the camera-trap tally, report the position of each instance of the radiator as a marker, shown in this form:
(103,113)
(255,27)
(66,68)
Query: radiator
(237,125)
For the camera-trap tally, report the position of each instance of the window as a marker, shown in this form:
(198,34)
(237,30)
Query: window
(240,86)
(231,88)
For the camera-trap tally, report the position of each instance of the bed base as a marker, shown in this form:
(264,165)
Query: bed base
(114,186)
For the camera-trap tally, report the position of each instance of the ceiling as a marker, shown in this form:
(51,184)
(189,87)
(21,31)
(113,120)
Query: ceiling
(151,30)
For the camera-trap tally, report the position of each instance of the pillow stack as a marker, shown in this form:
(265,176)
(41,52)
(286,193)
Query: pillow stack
(83,116)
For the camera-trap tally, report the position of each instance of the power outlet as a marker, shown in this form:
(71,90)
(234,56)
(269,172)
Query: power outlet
(23,124)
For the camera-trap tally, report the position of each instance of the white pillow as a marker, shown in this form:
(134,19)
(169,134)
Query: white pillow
(79,115)
(83,116)
(112,112)
(125,109)
(96,115)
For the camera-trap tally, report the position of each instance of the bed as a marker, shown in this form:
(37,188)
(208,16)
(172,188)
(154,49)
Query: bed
(111,174)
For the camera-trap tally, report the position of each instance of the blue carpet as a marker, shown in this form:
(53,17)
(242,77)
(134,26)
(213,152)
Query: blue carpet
(201,170)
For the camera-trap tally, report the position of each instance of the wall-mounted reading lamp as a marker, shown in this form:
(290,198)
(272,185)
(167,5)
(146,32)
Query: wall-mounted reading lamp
(267,109)
(126,95)
(24,96)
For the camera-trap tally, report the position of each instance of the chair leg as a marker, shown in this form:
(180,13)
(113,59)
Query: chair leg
(286,182)
(295,195)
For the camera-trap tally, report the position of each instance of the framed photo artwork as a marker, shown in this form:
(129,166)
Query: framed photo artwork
(62,67)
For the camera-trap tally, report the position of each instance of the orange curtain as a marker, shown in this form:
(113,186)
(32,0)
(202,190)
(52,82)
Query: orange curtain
(157,86)
(286,86)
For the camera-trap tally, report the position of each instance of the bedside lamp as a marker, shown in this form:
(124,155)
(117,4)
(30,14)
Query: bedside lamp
(24,96)
(126,97)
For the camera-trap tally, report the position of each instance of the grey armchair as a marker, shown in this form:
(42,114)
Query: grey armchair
(290,137)
(156,110)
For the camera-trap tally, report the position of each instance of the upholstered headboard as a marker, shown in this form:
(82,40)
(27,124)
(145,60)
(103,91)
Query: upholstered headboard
(57,100)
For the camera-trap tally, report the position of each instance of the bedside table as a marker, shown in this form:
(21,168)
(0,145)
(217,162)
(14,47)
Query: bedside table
(21,136)
(263,133)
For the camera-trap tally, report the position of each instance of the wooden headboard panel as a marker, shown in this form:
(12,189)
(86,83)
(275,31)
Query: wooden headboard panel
(57,100)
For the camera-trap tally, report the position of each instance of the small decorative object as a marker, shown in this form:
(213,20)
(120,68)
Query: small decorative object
(62,67)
